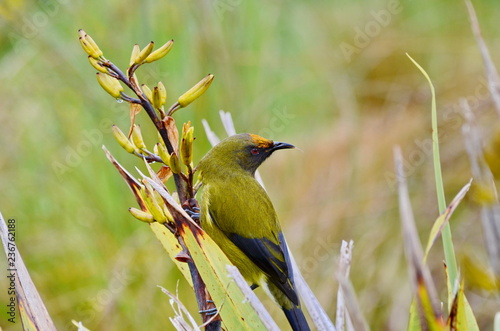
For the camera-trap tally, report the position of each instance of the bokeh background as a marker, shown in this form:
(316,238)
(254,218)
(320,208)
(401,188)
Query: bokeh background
(329,77)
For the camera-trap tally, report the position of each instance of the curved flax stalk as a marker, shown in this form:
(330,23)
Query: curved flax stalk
(148,107)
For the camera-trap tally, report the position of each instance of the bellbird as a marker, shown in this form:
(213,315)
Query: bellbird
(238,215)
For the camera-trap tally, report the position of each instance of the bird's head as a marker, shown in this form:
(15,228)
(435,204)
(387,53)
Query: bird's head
(244,150)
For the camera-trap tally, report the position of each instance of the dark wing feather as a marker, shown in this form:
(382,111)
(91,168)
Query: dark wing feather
(284,249)
(270,258)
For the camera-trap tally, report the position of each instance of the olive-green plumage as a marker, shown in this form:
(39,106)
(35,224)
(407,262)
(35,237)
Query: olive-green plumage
(239,216)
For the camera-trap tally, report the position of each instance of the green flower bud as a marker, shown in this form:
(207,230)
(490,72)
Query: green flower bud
(187,144)
(196,91)
(175,164)
(144,53)
(156,98)
(135,53)
(89,45)
(137,137)
(110,84)
(163,206)
(162,152)
(151,203)
(97,65)
(160,52)
(122,139)
(147,92)
(162,93)
(141,215)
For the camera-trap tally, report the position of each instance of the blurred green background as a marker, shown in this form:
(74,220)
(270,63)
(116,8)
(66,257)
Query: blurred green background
(329,77)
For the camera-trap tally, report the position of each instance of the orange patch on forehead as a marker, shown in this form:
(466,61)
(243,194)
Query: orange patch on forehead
(261,142)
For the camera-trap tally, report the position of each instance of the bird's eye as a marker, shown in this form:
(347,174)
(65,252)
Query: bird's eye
(255,151)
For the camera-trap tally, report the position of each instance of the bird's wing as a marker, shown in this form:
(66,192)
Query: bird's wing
(270,258)
(266,248)
(264,253)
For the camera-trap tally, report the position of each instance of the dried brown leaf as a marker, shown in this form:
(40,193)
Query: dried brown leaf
(173,133)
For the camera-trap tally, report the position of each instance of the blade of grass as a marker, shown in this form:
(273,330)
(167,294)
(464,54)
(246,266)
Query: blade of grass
(489,66)
(461,317)
(414,320)
(442,220)
(449,251)
(423,286)
(181,313)
(490,207)
(211,136)
(344,268)
(351,304)
(227,121)
(79,325)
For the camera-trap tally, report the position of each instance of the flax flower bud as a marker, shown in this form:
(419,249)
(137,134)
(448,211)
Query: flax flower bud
(137,137)
(152,204)
(110,84)
(162,93)
(135,53)
(122,139)
(162,152)
(196,91)
(175,164)
(97,65)
(187,144)
(147,92)
(141,215)
(160,52)
(89,45)
(144,53)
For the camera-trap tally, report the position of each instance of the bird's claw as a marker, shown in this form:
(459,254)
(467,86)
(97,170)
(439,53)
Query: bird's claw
(209,312)
(193,212)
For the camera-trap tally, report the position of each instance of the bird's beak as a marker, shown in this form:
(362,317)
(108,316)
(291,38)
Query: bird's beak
(279,145)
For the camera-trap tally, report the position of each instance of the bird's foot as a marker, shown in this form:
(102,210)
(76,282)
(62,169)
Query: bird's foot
(194,213)
(191,207)
(210,311)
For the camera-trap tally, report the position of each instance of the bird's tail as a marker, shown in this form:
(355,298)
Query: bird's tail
(296,319)
(293,313)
